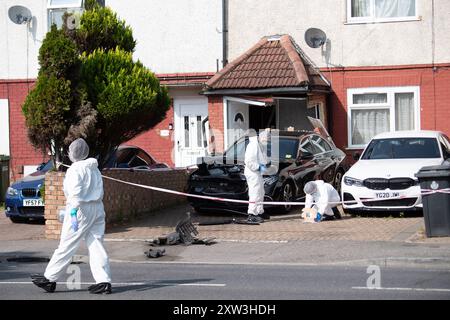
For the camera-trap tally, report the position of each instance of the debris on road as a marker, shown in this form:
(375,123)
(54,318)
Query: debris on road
(185,233)
(155,253)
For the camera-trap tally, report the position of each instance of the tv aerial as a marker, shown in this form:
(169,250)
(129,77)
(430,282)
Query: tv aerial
(315,38)
(19,14)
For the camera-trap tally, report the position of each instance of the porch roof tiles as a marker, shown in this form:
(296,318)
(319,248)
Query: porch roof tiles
(274,62)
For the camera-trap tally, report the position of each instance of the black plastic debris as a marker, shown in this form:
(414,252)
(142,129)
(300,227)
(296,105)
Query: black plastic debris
(186,230)
(155,253)
(205,241)
(185,233)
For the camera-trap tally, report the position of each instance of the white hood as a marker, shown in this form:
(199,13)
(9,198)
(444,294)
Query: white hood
(390,168)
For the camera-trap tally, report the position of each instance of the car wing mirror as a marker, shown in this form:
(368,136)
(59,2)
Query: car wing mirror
(356,156)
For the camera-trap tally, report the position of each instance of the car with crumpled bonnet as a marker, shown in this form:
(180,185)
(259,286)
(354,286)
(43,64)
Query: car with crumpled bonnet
(302,156)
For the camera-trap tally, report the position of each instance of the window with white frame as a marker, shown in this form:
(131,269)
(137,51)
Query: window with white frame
(57,8)
(375,110)
(381,10)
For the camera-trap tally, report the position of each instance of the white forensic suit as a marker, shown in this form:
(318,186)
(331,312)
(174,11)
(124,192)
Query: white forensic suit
(324,199)
(254,158)
(83,188)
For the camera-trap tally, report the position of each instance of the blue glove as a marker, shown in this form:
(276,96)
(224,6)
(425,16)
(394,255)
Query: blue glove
(74,220)
(262,168)
(318,217)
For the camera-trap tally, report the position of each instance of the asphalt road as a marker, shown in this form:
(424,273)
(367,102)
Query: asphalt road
(169,281)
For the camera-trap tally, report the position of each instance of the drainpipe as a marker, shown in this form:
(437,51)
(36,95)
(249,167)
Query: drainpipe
(224,33)
(433,54)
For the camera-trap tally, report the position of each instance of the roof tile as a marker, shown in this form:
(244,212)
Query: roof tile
(279,63)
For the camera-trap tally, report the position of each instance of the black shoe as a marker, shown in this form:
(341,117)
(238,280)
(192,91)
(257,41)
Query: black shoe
(100,288)
(43,282)
(337,214)
(326,217)
(254,219)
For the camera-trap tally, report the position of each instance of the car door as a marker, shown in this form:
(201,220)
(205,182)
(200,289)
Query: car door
(305,169)
(325,158)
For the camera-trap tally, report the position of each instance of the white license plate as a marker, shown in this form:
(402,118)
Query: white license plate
(386,195)
(33,203)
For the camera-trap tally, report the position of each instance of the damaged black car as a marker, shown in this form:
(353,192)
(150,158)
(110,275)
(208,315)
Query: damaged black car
(302,156)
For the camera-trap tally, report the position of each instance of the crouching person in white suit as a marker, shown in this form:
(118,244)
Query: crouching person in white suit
(324,198)
(84,219)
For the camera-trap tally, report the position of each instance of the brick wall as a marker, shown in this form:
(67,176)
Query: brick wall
(160,148)
(21,151)
(434,93)
(122,202)
(215,114)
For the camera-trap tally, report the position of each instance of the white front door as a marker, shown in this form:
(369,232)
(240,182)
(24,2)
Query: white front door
(189,144)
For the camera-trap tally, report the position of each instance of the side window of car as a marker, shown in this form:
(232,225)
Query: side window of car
(123,157)
(144,156)
(445,145)
(136,162)
(321,144)
(446,141)
(308,146)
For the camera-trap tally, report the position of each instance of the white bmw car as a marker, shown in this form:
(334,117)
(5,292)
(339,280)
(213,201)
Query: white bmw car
(384,176)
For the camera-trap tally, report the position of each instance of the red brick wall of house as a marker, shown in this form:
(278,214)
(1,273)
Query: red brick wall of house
(160,148)
(21,151)
(215,114)
(434,93)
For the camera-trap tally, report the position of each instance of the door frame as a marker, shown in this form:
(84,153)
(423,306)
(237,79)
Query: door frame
(178,101)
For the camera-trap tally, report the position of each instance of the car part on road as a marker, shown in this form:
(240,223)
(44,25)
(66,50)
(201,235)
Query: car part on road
(42,282)
(186,229)
(155,253)
(205,241)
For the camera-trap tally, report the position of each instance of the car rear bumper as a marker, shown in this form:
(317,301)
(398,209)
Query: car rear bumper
(362,198)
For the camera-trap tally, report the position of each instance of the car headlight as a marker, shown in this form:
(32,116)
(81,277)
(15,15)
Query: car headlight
(353,182)
(12,192)
(270,180)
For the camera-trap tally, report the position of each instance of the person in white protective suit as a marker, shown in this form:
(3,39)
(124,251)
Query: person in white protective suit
(84,219)
(256,163)
(324,198)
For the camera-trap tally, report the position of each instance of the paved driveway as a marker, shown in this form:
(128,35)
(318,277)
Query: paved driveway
(278,228)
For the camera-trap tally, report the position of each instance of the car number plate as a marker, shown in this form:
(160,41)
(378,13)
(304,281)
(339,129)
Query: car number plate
(33,203)
(386,195)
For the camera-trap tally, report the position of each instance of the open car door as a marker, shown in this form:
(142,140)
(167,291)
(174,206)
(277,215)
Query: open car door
(320,129)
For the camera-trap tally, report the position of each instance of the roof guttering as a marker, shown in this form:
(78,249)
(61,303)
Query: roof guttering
(289,90)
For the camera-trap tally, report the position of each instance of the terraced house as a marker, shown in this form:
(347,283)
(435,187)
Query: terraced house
(384,65)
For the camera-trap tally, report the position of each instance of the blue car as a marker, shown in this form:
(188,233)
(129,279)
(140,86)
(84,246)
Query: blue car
(23,198)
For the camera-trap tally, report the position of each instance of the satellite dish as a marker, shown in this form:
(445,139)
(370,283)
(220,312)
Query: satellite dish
(315,37)
(19,14)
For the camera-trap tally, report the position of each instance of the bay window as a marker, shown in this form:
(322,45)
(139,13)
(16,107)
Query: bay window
(381,10)
(375,110)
